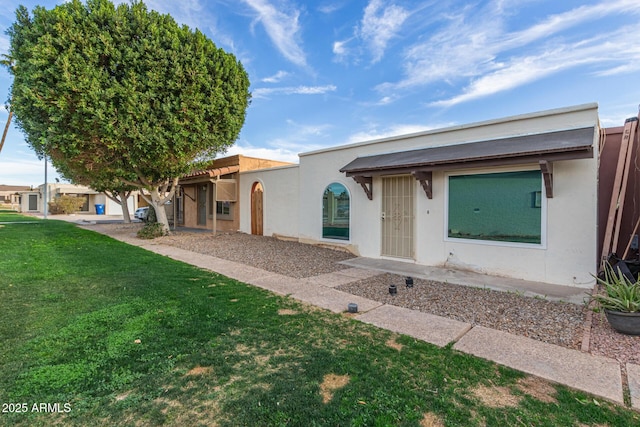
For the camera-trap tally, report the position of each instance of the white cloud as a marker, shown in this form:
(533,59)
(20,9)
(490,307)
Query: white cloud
(330,7)
(339,48)
(380,24)
(5,44)
(276,77)
(293,90)
(522,70)
(24,171)
(303,131)
(279,154)
(187,12)
(395,130)
(300,138)
(282,28)
(474,46)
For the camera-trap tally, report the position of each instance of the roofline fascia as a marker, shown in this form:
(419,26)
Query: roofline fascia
(552,112)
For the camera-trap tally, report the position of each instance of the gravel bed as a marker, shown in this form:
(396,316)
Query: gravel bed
(605,341)
(289,258)
(548,321)
(552,322)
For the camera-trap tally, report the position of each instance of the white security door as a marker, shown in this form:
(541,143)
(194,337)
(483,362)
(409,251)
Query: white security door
(397,216)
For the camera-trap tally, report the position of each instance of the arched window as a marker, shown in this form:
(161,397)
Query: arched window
(335,212)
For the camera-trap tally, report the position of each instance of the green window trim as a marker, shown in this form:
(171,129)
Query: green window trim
(496,207)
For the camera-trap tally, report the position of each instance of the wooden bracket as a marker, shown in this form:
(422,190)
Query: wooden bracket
(366,184)
(426,181)
(547,173)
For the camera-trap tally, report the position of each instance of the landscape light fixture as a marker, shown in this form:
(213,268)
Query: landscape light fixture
(409,282)
(393,289)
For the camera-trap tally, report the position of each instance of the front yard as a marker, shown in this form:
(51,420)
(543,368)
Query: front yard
(97,332)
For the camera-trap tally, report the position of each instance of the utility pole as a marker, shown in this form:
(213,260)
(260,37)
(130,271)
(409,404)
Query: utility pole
(46,185)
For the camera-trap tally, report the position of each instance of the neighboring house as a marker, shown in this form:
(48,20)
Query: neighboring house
(211,196)
(514,197)
(33,200)
(10,194)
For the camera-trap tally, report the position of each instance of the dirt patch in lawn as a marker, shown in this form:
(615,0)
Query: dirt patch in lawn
(495,397)
(538,389)
(287,312)
(431,420)
(200,370)
(391,342)
(330,384)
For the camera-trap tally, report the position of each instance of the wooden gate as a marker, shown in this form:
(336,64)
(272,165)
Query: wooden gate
(257,210)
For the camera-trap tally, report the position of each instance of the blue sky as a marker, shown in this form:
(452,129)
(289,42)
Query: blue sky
(330,72)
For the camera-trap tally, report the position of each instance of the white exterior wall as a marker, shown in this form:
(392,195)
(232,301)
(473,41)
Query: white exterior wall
(280,200)
(113,208)
(55,189)
(569,256)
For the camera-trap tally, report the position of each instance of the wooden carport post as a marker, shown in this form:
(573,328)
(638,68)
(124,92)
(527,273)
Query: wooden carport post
(214,204)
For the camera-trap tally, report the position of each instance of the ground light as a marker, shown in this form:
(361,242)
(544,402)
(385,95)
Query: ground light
(409,282)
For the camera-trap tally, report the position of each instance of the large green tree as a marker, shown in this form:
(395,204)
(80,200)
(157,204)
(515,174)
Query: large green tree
(98,87)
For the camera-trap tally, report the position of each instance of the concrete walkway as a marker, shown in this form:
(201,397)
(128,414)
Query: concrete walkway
(597,375)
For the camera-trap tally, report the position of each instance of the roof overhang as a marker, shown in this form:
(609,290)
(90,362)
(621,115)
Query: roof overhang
(208,175)
(540,148)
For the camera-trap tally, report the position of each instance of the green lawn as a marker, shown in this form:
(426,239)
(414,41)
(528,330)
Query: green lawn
(9,216)
(110,334)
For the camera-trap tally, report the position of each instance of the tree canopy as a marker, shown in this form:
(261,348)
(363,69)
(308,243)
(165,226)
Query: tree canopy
(124,92)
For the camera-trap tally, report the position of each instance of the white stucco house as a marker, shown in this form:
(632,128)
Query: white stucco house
(32,201)
(514,197)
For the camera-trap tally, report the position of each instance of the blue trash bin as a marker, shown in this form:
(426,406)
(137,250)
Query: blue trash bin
(100,209)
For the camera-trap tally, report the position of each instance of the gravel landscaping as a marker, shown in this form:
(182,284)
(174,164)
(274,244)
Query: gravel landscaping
(551,322)
(289,258)
(548,321)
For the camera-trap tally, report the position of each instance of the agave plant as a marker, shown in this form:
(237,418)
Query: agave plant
(621,293)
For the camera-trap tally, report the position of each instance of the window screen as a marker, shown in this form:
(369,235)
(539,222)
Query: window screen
(504,207)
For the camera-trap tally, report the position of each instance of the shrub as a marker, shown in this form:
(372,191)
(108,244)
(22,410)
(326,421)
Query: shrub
(66,204)
(151,230)
(151,217)
(621,293)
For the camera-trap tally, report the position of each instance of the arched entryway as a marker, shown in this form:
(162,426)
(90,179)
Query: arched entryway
(257,211)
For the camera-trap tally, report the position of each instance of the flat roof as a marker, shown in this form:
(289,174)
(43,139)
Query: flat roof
(550,146)
(458,127)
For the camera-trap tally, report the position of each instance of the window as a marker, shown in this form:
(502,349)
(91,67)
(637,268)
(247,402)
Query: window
(335,212)
(85,205)
(224,210)
(499,207)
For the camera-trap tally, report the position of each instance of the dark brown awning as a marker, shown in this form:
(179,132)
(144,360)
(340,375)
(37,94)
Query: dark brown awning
(542,148)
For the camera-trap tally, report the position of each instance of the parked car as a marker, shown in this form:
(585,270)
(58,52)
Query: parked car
(142,213)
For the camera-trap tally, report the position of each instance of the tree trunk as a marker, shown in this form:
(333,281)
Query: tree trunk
(161,216)
(121,199)
(126,218)
(6,129)
(159,197)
